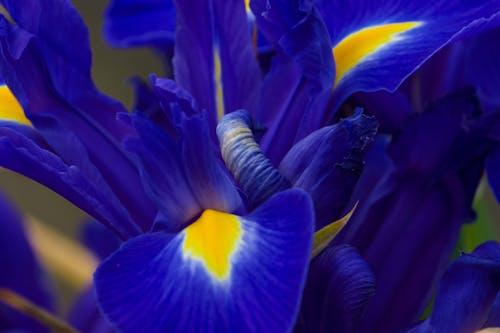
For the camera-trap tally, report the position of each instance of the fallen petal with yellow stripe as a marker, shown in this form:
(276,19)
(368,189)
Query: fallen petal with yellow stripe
(222,273)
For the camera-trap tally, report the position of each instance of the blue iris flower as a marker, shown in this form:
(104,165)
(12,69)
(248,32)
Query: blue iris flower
(210,247)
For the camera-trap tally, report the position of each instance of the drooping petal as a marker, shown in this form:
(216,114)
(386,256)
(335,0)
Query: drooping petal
(223,273)
(413,204)
(466,292)
(48,71)
(182,174)
(298,85)
(140,23)
(20,271)
(338,286)
(23,155)
(327,164)
(377,44)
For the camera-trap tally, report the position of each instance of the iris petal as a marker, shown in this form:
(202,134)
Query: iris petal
(151,285)
(466,292)
(493,171)
(139,23)
(299,82)
(407,34)
(20,271)
(328,162)
(427,177)
(48,70)
(338,286)
(21,154)
(187,162)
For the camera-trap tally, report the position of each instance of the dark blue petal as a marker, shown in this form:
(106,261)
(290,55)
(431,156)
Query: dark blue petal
(412,203)
(493,171)
(240,77)
(338,286)
(175,101)
(494,316)
(214,56)
(194,53)
(48,70)
(99,239)
(140,23)
(296,90)
(482,66)
(390,109)
(152,285)
(183,174)
(414,31)
(86,316)
(20,271)
(466,292)
(93,195)
(327,164)
(276,17)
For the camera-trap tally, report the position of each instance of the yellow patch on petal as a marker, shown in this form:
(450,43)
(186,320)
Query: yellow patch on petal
(213,239)
(354,48)
(247,6)
(10,109)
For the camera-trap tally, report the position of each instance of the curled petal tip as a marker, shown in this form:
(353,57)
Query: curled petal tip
(252,170)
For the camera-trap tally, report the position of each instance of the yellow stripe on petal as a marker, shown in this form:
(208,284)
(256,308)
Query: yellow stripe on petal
(219,93)
(247,7)
(353,49)
(212,240)
(10,109)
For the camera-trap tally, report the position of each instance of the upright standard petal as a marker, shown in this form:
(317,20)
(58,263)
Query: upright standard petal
(23,155)
(20,271)
(298,84)
(223,273)
(377,44)
(466,293)
(214,57)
